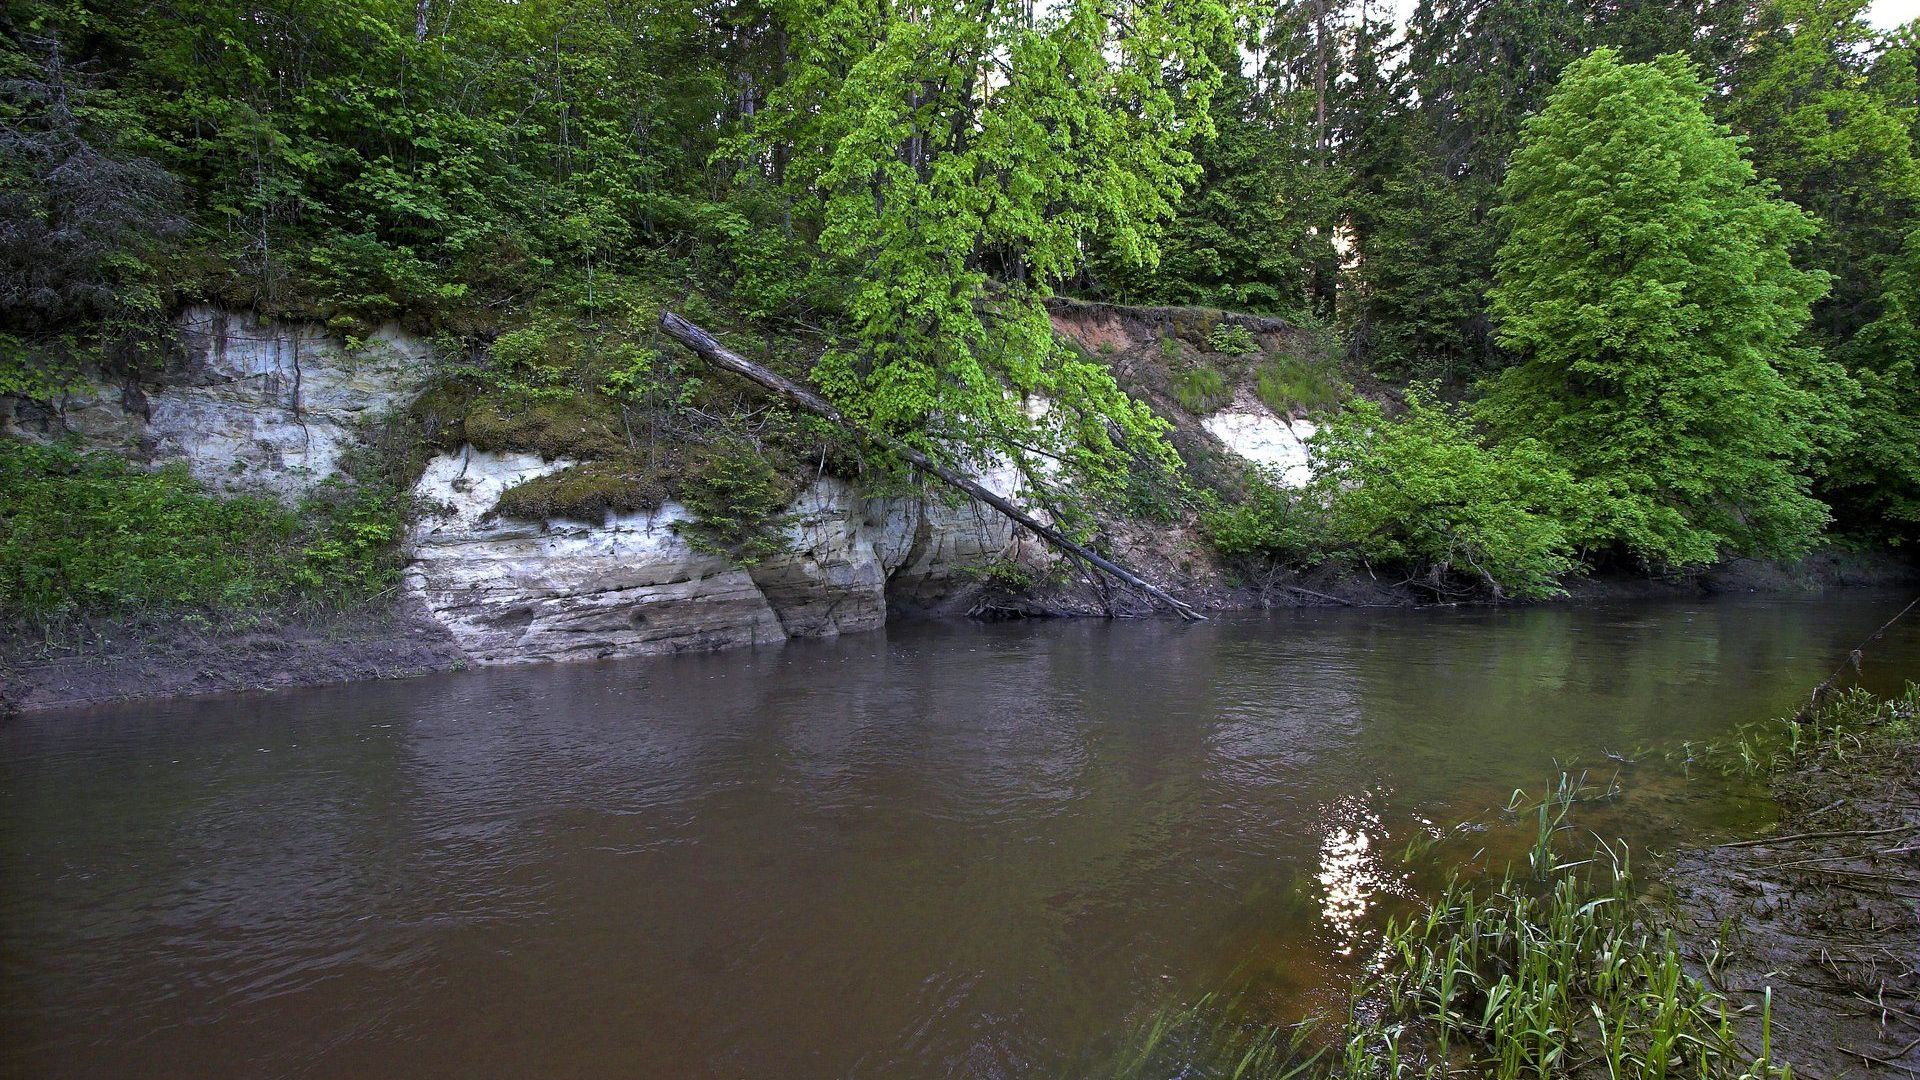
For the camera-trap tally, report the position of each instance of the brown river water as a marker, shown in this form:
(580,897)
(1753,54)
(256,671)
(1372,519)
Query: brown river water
(939,851)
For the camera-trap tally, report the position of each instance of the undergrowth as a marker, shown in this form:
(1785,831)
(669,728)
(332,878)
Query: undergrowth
(1200,389)
(1231,339)
(1844,729)
(89,534)
(641,424)
(1290,384)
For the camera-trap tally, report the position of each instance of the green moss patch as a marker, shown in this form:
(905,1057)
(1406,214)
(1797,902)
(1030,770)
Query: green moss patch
(583,426)
(589,491)
(738,493)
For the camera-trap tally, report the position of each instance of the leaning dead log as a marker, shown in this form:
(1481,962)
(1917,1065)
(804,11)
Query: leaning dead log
(707,348)
(1852,661)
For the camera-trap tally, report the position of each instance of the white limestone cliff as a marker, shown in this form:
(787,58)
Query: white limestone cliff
(516,591)
(1278,443)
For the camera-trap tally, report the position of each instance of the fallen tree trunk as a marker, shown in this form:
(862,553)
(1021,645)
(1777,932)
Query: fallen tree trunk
(707,348)
(1852,660)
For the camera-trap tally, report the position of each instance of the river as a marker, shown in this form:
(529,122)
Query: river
(942,850)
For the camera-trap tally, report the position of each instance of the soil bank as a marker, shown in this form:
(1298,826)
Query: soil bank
(1825,912)
(171,657)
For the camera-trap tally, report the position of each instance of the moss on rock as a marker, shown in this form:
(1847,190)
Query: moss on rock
(589,491)
(582,426)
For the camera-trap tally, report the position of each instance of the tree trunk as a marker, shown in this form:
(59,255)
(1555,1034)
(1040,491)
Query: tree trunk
(707,348)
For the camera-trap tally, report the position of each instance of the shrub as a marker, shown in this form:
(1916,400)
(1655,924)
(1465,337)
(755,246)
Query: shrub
(525,364)
(1425,491)
(352,549)
(1200,389)
(739,501)
(1005,575)
(1271,521)
(1231,339)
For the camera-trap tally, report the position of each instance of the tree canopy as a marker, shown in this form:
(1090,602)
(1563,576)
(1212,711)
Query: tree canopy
(1669,246)
(1646,283)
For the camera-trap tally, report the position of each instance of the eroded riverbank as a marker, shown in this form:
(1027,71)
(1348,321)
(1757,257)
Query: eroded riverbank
(143,660)
(1822,915)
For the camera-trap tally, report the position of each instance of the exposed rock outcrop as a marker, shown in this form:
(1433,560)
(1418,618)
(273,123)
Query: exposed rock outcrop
(274,408)
(514,591)
(1278,443)
(248,406)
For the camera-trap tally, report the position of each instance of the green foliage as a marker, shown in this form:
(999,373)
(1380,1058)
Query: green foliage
(1876,476)
(1291,383)
(1844,731)
(85,215)
(1557,970)
(739,501)
(642,426)
(1005,575)
(88,534)
(522,367)
(1423,492)
(1231,339)
(352,532)
(1427,492)
(341,158)
(29,369)
(1504,980)
(889,194)
(1837,139)
(1255,231)
(641,376)
(1429,256)
(1200,389)
(1829,109)
(1645,280)
(925,190)
(1432,136)
(1269,521)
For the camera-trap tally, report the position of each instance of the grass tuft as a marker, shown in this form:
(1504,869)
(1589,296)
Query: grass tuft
(1288,384)
(1559,970)
(1201,389)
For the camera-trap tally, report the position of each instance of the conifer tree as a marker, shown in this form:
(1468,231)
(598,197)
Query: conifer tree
(1645,281)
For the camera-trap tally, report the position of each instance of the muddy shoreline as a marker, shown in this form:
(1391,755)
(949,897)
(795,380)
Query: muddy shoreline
(1824,913)
(141,660)
(133,660)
